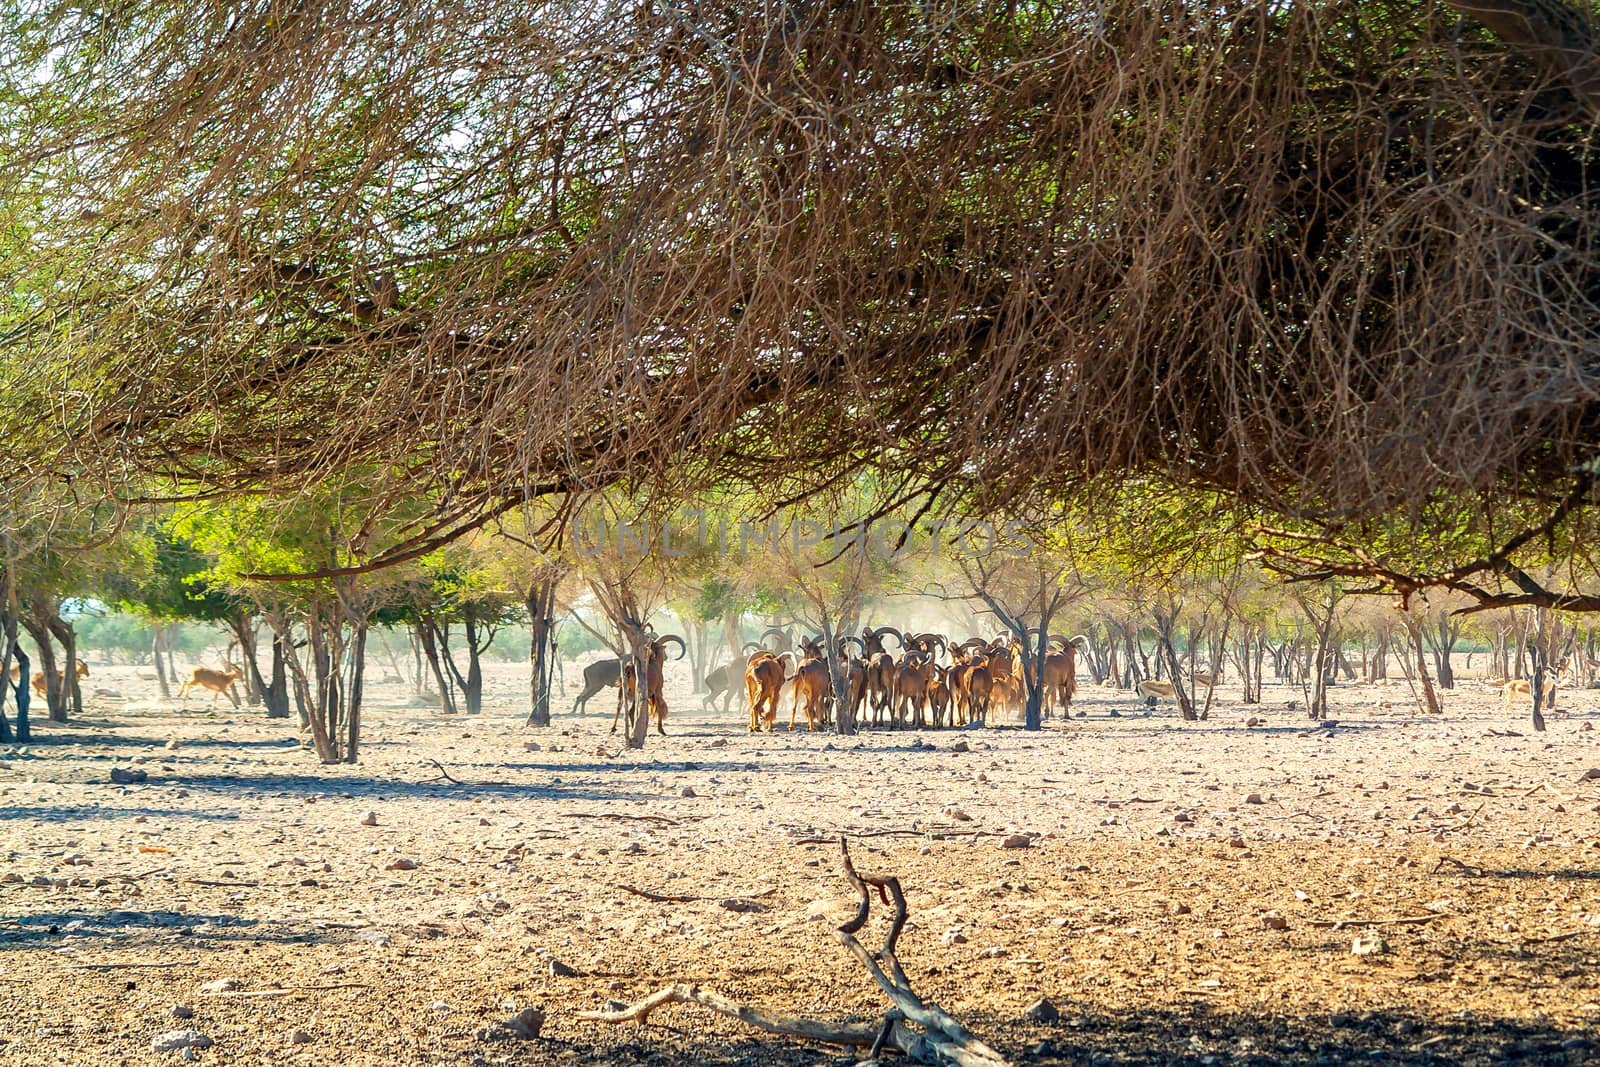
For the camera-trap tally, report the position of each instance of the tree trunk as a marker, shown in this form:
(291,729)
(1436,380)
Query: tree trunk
(1033,679)
(243,626)
(67,636)
(425,631)
(1321,667)
(158,633)
(276,692)
(352,711)
(469,684)
(21,688)
(1166,625)
(54,705)
(540,602)
(844,719)
(1414,632)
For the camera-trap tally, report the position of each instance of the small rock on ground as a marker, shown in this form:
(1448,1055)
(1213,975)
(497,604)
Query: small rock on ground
(173,1040)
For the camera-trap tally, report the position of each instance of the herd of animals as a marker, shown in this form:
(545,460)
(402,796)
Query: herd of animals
(926,680)
(907,687)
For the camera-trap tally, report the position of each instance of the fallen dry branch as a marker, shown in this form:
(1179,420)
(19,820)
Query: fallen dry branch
(659,820)
(125,966)
(921,1031)
(1399,920)
(684,898)
(1465,868)
(829,839)
(442,774)
(279,993)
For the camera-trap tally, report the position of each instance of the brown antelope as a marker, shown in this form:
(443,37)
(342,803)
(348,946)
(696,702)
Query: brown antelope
(218,682)
(38,680)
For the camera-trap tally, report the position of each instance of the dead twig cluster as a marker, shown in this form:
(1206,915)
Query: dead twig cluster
(923,1032)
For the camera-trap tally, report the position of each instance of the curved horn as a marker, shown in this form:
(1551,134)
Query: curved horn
(683,649)
(1058,639)
(880,631)
(857,640)
(1081,640)
(780,631)
(968,643)
(749,647)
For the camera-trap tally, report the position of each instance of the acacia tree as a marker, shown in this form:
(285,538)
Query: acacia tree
(170,585)
(1024,573)
(319,624)
(1285,233)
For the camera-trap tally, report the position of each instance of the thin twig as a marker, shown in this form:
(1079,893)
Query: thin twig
(444,773)
(670,898)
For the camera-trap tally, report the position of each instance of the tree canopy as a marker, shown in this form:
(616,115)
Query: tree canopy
(1336,259)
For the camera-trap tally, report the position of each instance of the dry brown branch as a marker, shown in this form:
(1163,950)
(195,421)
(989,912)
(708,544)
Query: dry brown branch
(805,1029)
(443,774)
(1465,868)
(675,898)
(1402,920)
(658,820)
(272,994)
(940,1039)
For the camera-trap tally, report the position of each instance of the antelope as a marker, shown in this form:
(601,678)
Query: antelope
(218,682)
(721,682)
(1061,673)
(939,696)
(1151,688)
(1522,689)
(38,679)
(597,676)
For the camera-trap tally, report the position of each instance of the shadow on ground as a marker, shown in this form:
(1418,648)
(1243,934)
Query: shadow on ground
(1193,1037)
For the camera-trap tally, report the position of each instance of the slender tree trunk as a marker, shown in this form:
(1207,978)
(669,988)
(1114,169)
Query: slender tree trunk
(158,633)
(22,696)
(1414,633)
(67,636)
(243,624)
(352,712)
(540,602)
(276,692)
(425,631)
(470,683)
(1033,679)
(844,719)
(55,706)
(474,686)
(1166,625)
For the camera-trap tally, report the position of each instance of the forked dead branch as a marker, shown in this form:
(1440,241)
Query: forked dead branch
(921,1031)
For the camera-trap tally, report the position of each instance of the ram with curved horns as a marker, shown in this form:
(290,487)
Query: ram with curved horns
(654,654)
(881,669)
(1061,672)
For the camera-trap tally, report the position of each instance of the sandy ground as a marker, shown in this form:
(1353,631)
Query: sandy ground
(1163,855)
